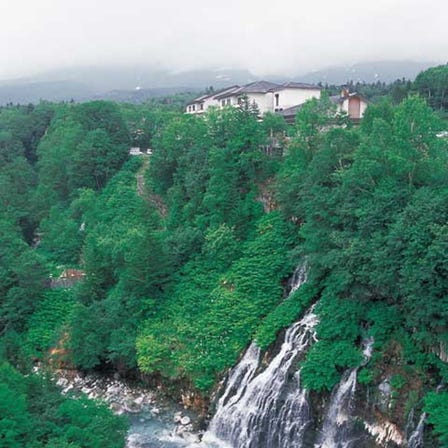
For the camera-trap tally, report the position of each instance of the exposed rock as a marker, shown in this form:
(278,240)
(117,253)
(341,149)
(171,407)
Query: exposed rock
(185,420)
(120,396)
(124,398)
(441,351)
(138,401)
(385,395)
(385,433)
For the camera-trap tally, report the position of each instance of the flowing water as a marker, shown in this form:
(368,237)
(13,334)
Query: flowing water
(337,429)
(266,409)
(416,437)
(155,421)
(336,426)
(262,406)
(154,431)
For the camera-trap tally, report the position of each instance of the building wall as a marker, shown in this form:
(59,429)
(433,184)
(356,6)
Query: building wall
(354,107)
(291,97)
(363,107)
(264,101)
(344,107)
(210,102)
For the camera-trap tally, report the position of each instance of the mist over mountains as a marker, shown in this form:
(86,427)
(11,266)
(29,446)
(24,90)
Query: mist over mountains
(368,72)
(138,84)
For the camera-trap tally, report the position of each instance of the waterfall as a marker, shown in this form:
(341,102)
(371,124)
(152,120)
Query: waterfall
(265,410)
(240,377)
(298,278)
(415,440)
(338,422)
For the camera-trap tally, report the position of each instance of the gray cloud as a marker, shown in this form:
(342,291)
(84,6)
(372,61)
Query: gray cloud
(267,37)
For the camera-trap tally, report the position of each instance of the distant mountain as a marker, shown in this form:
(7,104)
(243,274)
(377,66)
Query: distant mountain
(107,78)
(137,84)
(24,93)
(116,83)
(384,71)
(138,96)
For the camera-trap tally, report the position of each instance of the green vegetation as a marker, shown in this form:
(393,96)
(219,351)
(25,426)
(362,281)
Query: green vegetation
(35,414)
(436,405)
(432,84)
(186,252)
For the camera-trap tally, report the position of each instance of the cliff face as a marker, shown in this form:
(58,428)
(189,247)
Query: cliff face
(264,404)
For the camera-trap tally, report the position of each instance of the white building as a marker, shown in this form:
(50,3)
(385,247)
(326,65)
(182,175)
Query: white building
(268,96)
(202,103)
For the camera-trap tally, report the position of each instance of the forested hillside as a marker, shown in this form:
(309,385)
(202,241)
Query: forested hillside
(185,254)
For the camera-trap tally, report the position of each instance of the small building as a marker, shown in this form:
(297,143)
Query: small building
(353,104)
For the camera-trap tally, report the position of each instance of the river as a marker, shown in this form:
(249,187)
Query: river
(155,421)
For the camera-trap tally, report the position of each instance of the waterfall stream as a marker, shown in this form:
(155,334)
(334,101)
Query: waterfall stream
(266,408)
(416,438)
(338,422)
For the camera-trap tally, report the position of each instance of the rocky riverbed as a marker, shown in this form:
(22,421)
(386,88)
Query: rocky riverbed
(155,422)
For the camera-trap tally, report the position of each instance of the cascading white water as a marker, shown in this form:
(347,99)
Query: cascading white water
(270,409)
(240,376)
(415,440)
(298,278)
(336,428)
(264,411)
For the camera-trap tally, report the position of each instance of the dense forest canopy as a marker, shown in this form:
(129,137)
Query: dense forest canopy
(186,252)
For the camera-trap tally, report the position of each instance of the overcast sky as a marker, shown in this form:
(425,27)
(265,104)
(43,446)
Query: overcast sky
(264,36)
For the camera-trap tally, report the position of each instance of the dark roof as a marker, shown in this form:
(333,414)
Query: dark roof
(253,87)
(298,85)
(202,98)
(259,87)
(339,99)
(228,92)
(290,111)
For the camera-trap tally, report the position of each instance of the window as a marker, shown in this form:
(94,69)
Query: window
(201,106)
(223,103)
(228,101)
(194,107)
(277,96)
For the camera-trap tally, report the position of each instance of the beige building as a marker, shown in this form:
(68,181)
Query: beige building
(353,104)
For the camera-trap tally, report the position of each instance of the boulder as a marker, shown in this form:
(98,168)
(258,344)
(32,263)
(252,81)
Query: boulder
(177,418)
(185,420)
(138,401)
